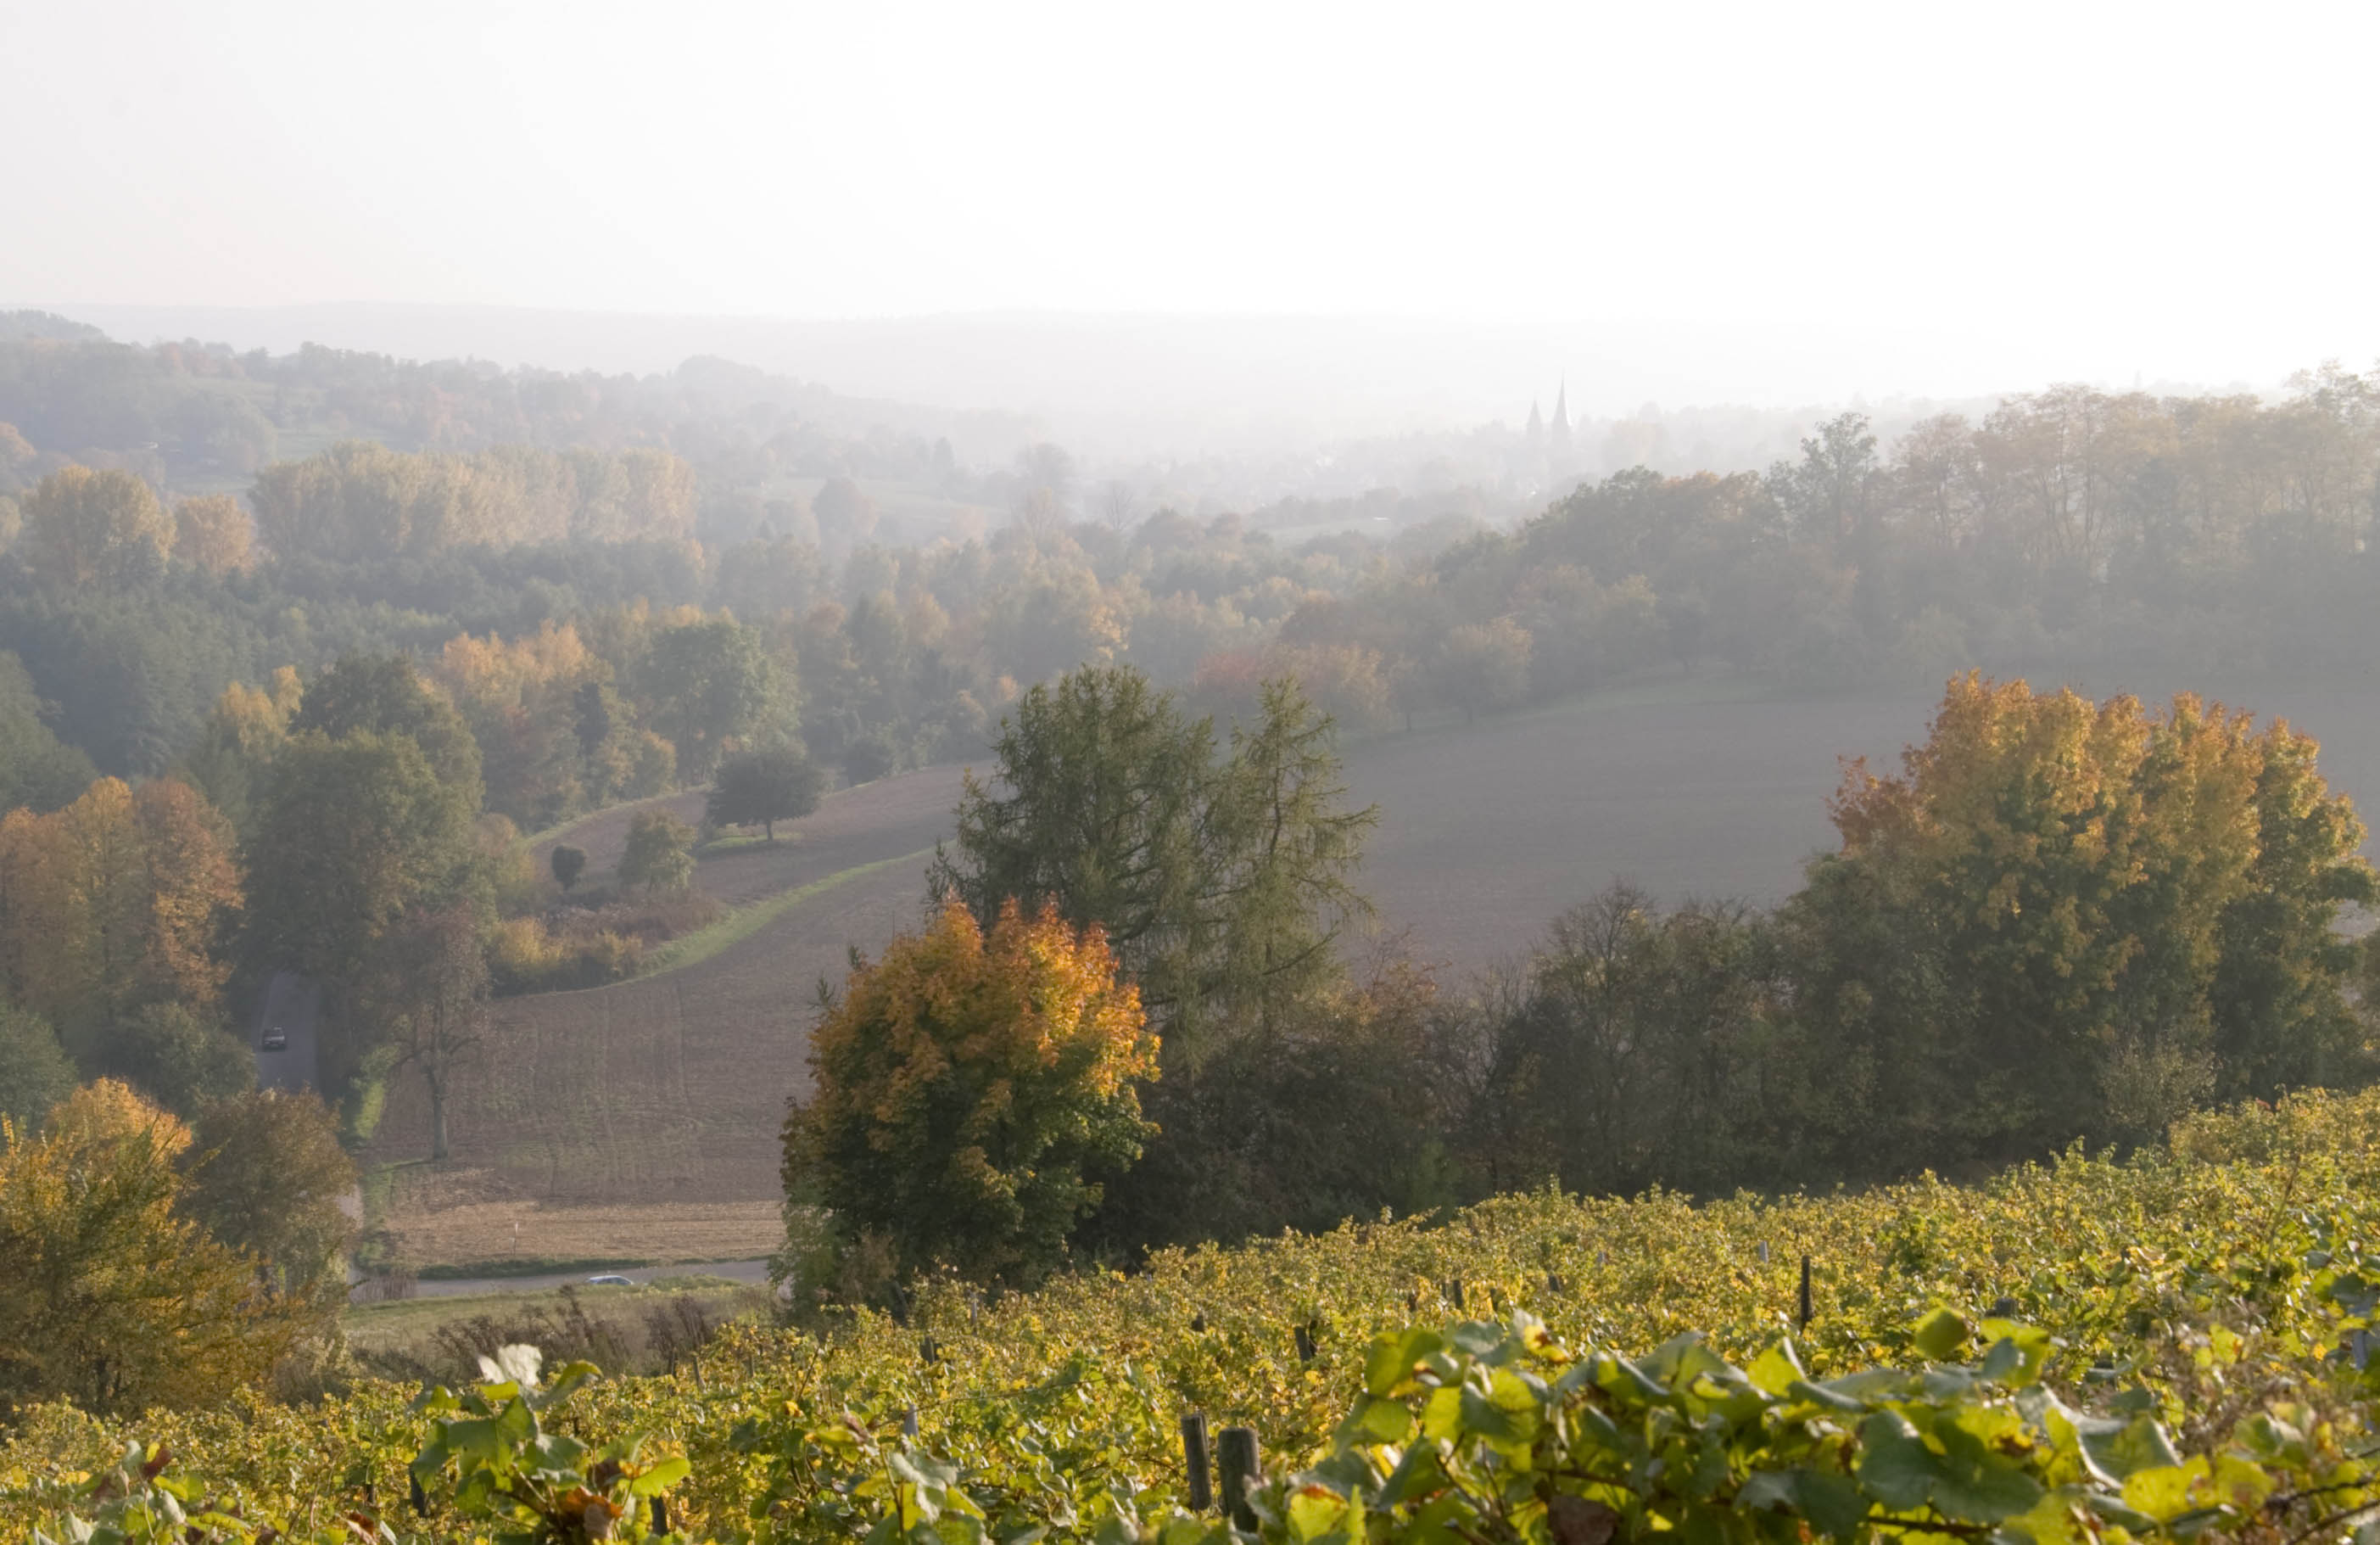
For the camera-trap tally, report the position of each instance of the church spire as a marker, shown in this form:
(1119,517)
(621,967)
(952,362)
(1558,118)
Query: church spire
(1562,413)
(1536,422)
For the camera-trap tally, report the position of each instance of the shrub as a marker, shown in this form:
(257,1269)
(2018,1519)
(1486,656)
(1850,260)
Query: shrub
(658,856)
(869,758)
(524,955)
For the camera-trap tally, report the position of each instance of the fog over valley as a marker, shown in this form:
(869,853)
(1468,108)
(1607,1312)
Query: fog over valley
(1251,775)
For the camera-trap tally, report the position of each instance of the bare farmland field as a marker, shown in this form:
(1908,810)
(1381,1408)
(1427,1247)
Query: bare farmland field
(667,1092)
(409,1328)
(1489,832)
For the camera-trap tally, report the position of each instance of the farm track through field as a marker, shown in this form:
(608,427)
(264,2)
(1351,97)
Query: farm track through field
(671,1088)
(850,827)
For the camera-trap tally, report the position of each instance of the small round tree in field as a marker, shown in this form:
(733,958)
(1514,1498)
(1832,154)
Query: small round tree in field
(569,863)
(763,787)
(961,1090)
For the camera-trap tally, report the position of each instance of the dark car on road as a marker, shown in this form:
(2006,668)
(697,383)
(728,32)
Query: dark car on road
(274,1041)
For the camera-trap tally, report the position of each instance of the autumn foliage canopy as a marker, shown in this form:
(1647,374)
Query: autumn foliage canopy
(110,1295)
(2063,918)
(113,902)
(965,1090)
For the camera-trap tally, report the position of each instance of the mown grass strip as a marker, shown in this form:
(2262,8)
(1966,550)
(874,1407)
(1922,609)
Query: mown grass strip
(742,922)
(498,1267)
(374,1187)
(556,833)
(411,1323)
(528,1266)
(743,842)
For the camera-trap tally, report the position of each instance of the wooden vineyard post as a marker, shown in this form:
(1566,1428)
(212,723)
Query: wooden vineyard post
(1194,1462)
(1305,1345)
(1242,1464)
(1805,1293)
(909,1422)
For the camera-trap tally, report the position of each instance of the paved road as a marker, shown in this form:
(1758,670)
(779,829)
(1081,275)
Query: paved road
(292,1005)
(755,1272)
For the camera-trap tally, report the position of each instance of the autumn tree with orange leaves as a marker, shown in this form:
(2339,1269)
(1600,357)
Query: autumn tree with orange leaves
(963,1090)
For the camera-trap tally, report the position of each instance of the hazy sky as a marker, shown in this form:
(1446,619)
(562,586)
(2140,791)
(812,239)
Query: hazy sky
(2069,188)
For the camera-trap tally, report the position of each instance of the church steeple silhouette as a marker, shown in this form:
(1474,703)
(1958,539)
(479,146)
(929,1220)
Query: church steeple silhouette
(1562,413)
(1536,422)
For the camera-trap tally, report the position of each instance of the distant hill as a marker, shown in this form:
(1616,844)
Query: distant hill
(30,326)
(1129,385)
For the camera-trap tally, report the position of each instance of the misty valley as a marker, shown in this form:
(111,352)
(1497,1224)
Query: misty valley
(1272,775)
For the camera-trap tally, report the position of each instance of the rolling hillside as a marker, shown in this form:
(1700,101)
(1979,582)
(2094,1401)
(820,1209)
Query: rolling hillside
(667,1090)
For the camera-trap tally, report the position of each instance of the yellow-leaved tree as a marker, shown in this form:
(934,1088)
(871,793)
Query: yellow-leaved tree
(2064,918)
(113,903)
(963,1092)
(212,533)
(245,731)
(523,699)
(108,1296)
(83,526)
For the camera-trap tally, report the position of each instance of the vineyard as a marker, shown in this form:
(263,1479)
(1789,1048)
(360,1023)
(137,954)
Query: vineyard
(2165,1346)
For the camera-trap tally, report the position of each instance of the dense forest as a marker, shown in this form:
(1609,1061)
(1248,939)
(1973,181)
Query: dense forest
(457,512)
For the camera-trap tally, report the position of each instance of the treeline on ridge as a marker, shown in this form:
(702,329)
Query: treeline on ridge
(2068,533)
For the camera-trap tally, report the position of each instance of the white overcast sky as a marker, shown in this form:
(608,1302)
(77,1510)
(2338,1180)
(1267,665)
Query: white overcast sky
(2072,189)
